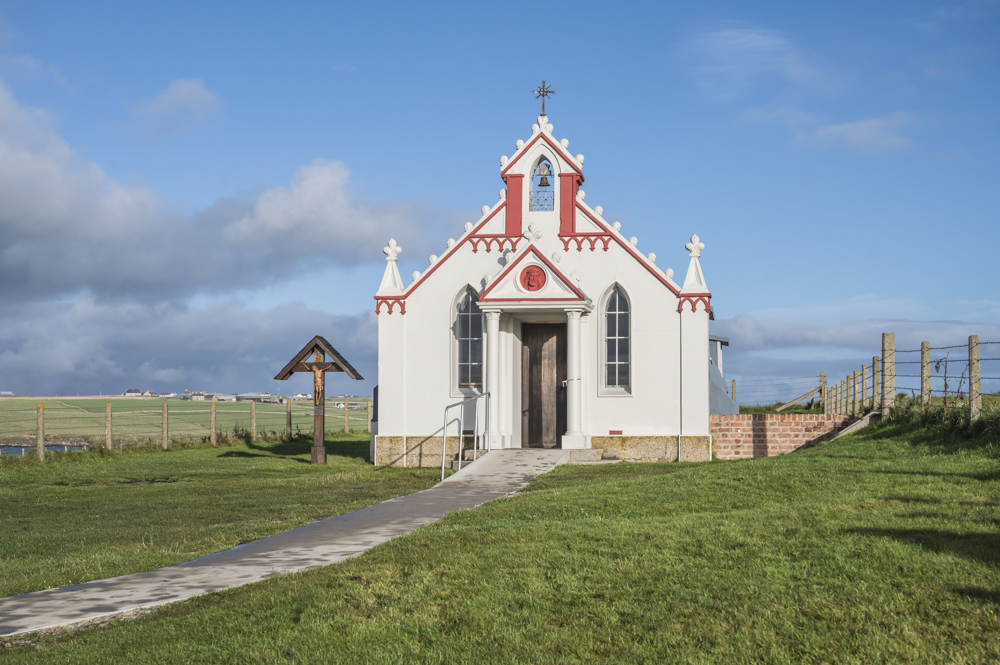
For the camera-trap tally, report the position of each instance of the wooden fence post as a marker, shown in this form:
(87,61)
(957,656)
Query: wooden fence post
(864,387)
(369,417)
(253,421)
(40,433)
(734,390)
(925,377)
(975,388)
(212,436)
(165,427)
(108,438)
(854,394)
(822,391)
(876,378)
(347,415)
(888,374)
(288,418)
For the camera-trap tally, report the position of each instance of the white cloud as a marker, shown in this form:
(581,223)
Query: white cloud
(183,106)
(727,61)
(869,136)
(317,215)
(90,347)
(66,228)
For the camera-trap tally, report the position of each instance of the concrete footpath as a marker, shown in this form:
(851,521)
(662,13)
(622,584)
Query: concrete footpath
(500,473)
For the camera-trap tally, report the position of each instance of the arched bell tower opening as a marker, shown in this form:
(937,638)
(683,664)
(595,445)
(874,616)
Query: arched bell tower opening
(543,179)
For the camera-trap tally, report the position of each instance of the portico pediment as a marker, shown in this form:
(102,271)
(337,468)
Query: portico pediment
(532,278)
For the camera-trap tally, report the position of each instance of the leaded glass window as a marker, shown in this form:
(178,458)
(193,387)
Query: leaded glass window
(469,328)
(618,353)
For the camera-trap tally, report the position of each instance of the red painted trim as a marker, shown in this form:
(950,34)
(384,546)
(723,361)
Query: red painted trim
(527,300)
(580,238)
(391,301)
(515,198)
(555,146)
(508,269)
(569,185)
(628,248)
(447,255)
(500,240)
(694,299)
(615,432)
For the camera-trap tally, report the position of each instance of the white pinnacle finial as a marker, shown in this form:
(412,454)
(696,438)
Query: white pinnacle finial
(392,283)
(695,247)
(392,250)
(695,280)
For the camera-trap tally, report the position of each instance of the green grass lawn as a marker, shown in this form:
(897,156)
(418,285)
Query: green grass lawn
(880,547)
(69,420)
(83,517)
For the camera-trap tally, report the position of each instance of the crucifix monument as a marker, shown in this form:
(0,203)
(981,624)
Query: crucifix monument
(318,348)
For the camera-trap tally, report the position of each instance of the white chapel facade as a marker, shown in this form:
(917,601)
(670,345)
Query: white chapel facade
(580,340)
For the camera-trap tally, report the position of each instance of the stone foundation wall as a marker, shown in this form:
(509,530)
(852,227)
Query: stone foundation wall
(421,451)
(655,448)
(769,434)
(638,448)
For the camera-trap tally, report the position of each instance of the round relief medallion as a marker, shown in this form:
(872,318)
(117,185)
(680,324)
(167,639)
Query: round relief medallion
(532,278)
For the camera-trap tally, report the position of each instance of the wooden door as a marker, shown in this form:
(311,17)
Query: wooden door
(543,395)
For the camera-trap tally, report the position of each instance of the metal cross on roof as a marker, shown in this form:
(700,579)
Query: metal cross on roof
(543,91)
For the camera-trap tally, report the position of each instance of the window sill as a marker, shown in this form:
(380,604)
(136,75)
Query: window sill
(614,392)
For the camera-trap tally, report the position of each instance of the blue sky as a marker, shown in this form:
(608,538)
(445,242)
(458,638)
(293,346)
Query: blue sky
(191,192)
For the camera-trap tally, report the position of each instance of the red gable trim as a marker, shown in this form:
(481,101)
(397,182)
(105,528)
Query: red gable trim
(469,236)
(694,298)
(506,271)
(555,146)
(628,248)
(391,301)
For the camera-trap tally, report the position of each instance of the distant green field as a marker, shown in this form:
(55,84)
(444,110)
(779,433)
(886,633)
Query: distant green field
(76,420)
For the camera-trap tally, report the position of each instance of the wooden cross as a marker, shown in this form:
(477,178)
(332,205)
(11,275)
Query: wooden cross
(318,348)
(543,91)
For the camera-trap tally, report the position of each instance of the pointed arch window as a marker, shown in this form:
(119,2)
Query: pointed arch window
(469,335)
(542,186)
(617,340)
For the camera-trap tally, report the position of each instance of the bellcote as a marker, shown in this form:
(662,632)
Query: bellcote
(542,178)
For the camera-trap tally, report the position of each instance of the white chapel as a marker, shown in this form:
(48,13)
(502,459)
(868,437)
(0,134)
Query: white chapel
(551,326)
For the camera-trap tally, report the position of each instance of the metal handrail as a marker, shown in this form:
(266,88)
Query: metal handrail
(461,430)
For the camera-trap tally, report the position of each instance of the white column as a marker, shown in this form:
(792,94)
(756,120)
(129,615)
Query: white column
(493,373)
(573,415)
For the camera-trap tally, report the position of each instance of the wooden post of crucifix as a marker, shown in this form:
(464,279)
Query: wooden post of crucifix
(318,348)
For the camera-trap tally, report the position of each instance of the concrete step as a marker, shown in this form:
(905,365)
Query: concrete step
(453,463)
(467,455)
(597,462)
(585,455)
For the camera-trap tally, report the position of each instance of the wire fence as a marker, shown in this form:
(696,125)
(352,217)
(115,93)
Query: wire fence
(958,379)
(81,424)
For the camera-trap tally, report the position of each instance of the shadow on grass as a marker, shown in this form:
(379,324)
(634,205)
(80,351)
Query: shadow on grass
(986,476)
(935,436)
(301,445)
(979,547)
(242,454)
(980,594)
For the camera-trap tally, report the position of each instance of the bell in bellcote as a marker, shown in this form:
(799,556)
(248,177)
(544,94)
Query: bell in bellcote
(544,171)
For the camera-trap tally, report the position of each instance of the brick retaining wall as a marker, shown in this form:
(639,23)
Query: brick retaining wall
(769,434)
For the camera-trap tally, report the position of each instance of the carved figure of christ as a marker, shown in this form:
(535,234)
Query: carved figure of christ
(318,368)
